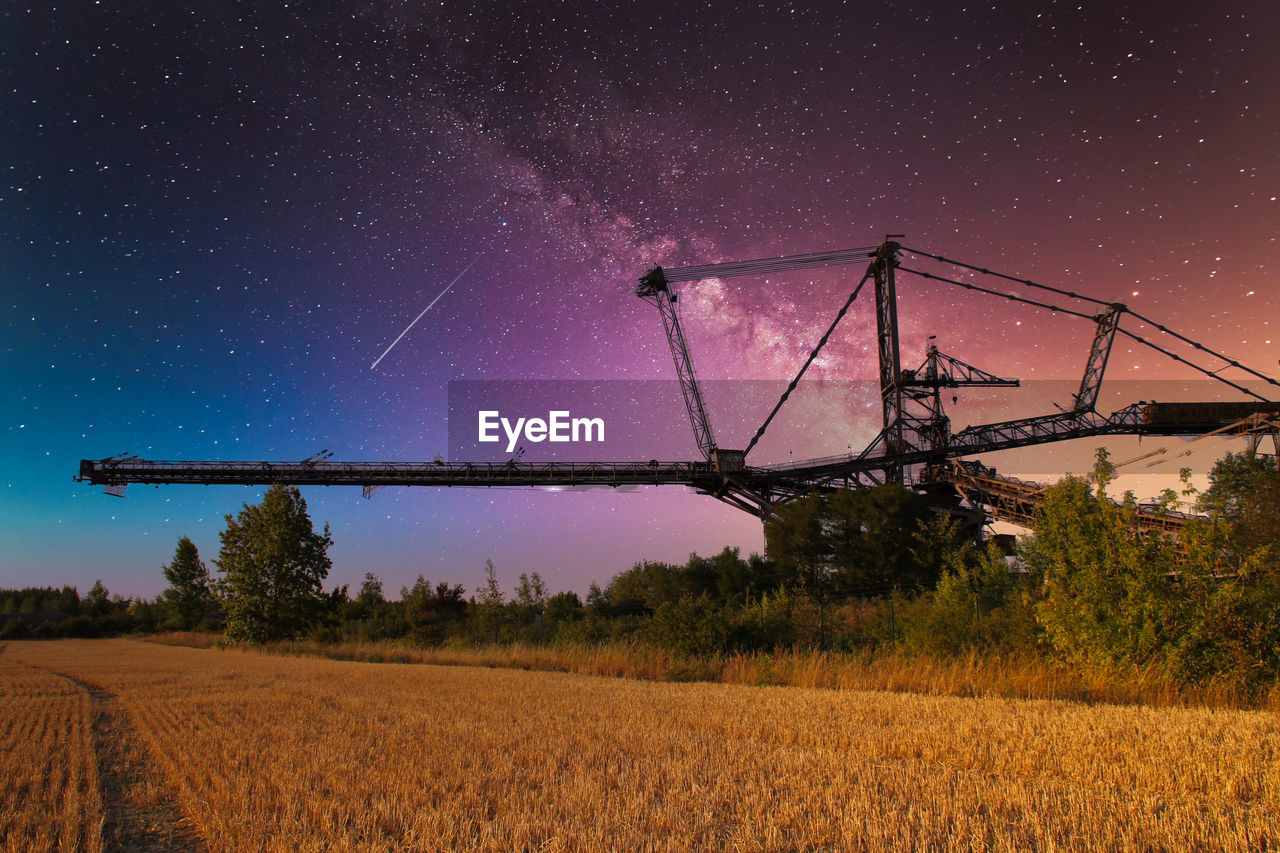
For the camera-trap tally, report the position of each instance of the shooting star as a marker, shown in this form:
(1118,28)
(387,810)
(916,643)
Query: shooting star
(425,310)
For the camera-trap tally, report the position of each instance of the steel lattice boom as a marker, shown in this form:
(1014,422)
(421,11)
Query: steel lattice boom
(915,442)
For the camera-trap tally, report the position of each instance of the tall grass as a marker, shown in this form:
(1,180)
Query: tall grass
(1016,676)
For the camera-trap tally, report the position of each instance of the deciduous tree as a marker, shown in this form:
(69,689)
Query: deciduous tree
(274,565)
(854,542)
(1109,594)
(371,594)
(490,604)
(98,601)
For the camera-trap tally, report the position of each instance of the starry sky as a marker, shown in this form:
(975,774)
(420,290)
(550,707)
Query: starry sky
(215,216)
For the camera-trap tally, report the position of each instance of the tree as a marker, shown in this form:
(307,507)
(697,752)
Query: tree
(690,626)
(421,602)
(851,541)
(1244,500)
(68,601)
(647,584)
(874,530)
(274,565)
(1203,610)
(490,603)
(450,599)
(491,592)
(977,604)
(797,543)
(98,601)
(431,616)
(36,599)
(188,597)
(145,615)
(531,593)
(563,607)
(738,580)
(371,594)
(1232,576)
(416,600)
(1109,593)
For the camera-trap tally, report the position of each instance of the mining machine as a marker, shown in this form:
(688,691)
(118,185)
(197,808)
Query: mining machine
(915,444)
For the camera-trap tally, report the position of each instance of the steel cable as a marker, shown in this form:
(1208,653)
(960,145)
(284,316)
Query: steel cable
(1191,364)
(787,393)
(1025,281)
(1008,296)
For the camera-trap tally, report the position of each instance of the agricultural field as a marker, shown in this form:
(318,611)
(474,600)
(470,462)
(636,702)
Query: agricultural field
(156,747)
(49,788)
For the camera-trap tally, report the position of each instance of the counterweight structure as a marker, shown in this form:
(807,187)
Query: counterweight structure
(915,443)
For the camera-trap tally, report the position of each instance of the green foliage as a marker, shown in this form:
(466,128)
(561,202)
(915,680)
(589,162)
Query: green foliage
(648,584)
(489,606)
(531,593)
(731,579)
(874,532)
(97,602)
(433,616)
(1230,581)
(725,578)
(1103,471)
(1243,500)
(274,566)
(422,602)
(188,598)
(490,592)
(1107,591)
(42,612)
(852,542)
(799,544)
(792,619)
(563,607)
(783,618)
(146,616)
(937,541)
(848,571)
(978,604)
(40,599)
(371,594)
(1204,611)
(690,626)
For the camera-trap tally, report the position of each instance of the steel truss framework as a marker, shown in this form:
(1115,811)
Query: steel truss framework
(914,443)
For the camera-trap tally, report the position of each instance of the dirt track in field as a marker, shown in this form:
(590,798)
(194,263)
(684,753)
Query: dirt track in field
(141,814)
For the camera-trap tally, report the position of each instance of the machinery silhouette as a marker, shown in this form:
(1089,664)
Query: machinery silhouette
(915,444)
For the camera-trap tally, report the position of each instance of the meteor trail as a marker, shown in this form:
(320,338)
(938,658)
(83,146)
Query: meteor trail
(424,311)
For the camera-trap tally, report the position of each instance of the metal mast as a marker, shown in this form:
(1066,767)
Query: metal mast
(655,289)
(883,269)
(1099,352)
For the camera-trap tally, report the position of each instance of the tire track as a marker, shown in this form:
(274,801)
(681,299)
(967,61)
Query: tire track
(141,814)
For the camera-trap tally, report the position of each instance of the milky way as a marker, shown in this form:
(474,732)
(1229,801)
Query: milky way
(215,216)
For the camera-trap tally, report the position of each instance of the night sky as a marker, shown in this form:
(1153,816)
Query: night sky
(215,216)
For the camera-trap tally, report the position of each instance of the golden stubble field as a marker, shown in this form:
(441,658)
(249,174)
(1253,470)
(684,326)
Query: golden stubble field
(256,752)
(49,796)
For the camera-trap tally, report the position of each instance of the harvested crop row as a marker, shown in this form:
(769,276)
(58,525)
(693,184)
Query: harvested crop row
(285,753)
(49,796)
